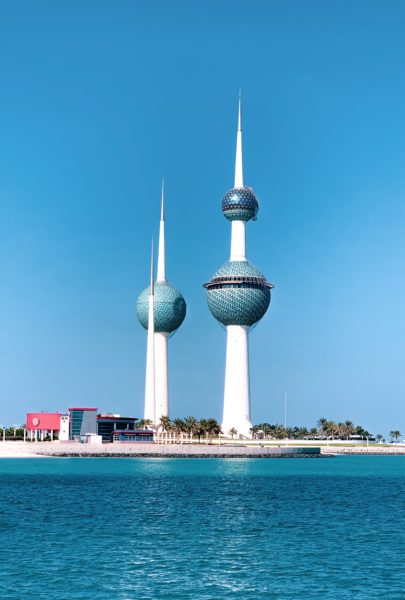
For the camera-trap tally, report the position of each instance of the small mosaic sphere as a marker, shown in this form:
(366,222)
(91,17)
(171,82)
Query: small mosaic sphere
(240,204)
(238,294)
(169,305)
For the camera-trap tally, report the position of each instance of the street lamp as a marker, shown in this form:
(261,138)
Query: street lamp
(285,416)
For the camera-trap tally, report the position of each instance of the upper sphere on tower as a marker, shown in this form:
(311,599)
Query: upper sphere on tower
(240,204)
(169,307)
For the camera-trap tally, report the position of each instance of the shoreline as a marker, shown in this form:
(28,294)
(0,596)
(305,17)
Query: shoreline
(146,450)
(74,450)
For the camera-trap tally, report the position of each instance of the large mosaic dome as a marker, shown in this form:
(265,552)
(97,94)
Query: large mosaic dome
(170,308)
(238,294)
(240,204)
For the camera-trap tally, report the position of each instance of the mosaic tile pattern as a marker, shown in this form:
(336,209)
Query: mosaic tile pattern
(240,204)
(170,308)
(238,294)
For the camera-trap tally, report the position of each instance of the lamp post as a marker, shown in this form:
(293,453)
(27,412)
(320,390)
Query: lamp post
(285,416)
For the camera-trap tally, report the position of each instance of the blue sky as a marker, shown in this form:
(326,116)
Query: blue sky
(101,99)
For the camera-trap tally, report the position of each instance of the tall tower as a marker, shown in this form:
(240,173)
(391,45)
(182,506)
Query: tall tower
(149,410)
(238,296)
(169,314)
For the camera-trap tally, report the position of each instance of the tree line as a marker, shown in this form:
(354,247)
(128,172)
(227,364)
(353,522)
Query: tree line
(209,428)
(325,429)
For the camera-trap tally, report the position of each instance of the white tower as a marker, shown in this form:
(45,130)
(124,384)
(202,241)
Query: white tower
(149,411)
(169,311)
(161,337)
(238,296)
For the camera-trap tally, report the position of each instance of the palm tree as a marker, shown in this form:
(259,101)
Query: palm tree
(144,423)
(379,437)
(395,434)
(179,426)
(212,427)
(190,424)
(165,423)
(233,432)
(348,429)
(202,428)
(280,432)
(322,422)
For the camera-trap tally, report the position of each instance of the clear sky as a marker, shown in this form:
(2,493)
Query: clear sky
(99,100)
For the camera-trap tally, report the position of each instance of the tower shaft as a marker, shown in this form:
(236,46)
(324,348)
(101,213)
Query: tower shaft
(238,240)
(149,409)
(161,339)
(149,412)
(161,376)
(236,413)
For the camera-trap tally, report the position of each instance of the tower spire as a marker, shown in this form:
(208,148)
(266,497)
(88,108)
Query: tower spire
(152,272)
(161,267)
(238,159)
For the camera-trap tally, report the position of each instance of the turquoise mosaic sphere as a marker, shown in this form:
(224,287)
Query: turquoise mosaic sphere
(240,204)
(170,308)
(238,294)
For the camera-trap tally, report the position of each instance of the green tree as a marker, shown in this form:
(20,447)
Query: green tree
(144,424)
(179,427)
(165,423)
(321,424)
(191,425)
(233,432)
(212,427)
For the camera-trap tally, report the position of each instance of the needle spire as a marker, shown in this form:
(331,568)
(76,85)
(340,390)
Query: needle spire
(238,159)
(161,267)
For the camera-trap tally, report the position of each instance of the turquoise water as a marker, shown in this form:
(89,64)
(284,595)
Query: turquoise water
(202,528)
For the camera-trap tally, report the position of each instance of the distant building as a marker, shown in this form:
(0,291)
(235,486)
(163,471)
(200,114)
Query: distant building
(42,424)
(82,421)
(64,428)
(91,438)
(108,424)
(138,435)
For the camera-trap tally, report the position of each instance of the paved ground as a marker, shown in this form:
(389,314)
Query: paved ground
(19,449)
(393,449)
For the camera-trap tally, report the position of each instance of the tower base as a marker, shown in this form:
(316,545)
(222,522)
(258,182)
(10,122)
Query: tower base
(161,377)
(236,417)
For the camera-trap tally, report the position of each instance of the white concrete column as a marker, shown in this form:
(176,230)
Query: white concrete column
(149,412)
(161,376)
(238,240)
(237,390)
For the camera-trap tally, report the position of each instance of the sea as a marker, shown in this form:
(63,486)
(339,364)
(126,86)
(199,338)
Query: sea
(123,528)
